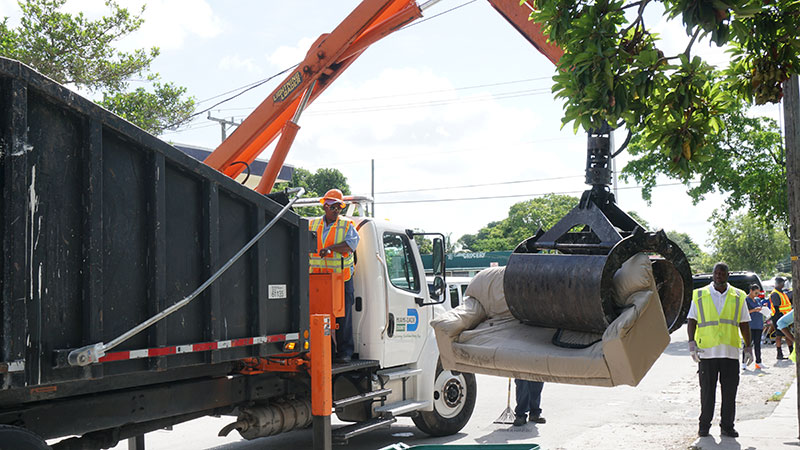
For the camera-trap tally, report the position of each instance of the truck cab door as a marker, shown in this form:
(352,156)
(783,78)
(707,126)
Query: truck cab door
(406,288)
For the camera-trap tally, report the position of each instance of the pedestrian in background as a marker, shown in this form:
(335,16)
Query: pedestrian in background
(529,398)
(779,305)
(756,322)
(718,313)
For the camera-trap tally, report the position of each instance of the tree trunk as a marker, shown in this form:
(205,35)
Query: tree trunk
(791,112)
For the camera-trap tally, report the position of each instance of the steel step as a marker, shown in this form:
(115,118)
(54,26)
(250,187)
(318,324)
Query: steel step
(356,364)
(400,372)
(405,406)
(341,403)
(341,435)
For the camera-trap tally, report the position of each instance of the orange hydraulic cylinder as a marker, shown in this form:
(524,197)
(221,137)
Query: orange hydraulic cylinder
(321,377)
(278,157)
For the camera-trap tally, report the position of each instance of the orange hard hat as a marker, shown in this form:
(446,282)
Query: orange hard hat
(333,194)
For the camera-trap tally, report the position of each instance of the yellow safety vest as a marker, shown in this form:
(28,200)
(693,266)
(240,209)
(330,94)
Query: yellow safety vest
(786,305)
(333,262)
(717,328)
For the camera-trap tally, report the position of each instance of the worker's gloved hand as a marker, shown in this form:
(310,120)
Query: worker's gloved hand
(694,351)
(747,355)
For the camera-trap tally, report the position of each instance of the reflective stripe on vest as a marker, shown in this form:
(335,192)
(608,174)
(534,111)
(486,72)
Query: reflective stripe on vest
(333,262)
(785,306)
(715,328)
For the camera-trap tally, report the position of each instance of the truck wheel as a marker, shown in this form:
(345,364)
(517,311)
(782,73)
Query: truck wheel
(16,438)
(453,402)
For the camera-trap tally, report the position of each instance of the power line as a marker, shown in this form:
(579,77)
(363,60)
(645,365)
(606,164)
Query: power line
(251,87)
(443,152)
(494,197)
(436,15)
(431,103)
(412,94)
(409,94)
(480,185)
(255,84)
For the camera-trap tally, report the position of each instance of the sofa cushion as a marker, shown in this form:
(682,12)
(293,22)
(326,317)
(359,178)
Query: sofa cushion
(510,345)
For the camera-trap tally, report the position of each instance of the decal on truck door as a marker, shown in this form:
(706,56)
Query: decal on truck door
(408,323)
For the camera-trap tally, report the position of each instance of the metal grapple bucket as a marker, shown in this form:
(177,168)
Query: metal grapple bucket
(575,291)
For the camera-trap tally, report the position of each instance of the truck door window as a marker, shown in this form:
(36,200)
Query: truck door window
(400,262)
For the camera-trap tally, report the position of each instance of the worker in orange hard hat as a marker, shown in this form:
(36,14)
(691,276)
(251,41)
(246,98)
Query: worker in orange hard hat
(337,240)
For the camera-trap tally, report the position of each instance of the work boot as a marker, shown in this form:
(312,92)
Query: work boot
(538,419)
(730,432)
(520,421)
(780,354)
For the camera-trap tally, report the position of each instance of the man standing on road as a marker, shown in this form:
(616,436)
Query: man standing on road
(717,315)
(529,397)
(337,239)
(756,322)
(779,304)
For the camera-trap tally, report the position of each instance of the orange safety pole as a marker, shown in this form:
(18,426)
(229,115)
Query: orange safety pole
(321,380)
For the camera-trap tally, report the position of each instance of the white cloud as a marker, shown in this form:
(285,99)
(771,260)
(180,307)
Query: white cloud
(286,56)
(167,23)
(10,9)
(237,63)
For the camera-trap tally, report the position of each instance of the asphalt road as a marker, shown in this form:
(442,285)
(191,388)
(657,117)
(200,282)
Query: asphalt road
(660,413)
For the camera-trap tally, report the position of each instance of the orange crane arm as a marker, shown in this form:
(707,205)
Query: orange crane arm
(328,57)
(518,16)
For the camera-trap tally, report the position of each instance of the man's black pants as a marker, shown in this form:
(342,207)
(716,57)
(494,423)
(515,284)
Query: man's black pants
(725,370)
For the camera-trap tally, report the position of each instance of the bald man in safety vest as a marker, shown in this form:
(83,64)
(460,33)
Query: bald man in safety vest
(717,315)
(337,240)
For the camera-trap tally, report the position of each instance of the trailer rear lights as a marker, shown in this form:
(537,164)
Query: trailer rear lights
(289,346)
(305,345)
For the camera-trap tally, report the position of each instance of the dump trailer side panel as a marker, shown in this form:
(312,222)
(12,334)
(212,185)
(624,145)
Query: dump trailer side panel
(104,225)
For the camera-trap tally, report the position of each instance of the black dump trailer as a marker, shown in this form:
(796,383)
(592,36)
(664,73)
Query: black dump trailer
(103,226)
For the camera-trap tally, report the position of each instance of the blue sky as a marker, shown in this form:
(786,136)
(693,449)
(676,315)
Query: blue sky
(460,99)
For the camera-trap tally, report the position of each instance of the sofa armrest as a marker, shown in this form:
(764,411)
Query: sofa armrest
(633,342)
(465,317)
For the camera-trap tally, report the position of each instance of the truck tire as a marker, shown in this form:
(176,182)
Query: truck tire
(453,402)
(16,438)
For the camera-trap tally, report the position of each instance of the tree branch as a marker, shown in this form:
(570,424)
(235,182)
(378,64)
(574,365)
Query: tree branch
(689,47)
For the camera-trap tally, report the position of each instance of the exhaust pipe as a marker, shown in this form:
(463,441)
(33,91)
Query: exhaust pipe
(269,420)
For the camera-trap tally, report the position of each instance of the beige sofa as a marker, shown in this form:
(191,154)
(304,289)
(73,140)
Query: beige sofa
(481,335)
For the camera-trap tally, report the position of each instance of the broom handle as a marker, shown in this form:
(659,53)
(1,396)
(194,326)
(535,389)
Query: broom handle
(508,402)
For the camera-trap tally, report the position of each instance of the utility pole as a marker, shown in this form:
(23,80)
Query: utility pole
(373,189)
(791,113)
(223,124)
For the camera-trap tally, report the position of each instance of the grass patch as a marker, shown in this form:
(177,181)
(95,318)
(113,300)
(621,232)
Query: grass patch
(776,397)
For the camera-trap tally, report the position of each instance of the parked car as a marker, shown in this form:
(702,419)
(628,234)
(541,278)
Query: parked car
(741,280)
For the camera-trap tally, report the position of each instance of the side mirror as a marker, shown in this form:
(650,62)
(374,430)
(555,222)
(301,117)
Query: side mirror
(438,257)
(438,288)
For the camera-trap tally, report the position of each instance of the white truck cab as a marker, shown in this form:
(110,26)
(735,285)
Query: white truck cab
(391,327)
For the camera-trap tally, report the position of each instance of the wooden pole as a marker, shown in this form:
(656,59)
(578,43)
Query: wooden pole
(791,113)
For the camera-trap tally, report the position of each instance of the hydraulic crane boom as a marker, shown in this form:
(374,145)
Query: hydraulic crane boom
(327,58)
